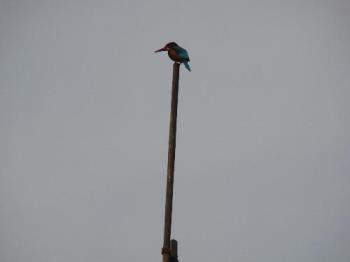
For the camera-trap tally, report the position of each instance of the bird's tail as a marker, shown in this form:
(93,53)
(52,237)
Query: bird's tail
(187,66)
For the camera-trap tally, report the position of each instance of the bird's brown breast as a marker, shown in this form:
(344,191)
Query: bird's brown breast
(173,56)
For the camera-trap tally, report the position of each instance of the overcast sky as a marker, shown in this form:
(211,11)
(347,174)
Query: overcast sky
(263,153)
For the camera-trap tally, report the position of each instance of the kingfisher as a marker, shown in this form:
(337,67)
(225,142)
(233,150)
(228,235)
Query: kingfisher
(177,54)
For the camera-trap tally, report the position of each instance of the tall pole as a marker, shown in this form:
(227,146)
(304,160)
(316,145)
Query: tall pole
(166,250)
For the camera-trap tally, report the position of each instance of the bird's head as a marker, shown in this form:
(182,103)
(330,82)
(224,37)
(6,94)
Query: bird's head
(167,47)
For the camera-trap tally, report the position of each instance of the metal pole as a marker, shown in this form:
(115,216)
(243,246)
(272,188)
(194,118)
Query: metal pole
(166,250)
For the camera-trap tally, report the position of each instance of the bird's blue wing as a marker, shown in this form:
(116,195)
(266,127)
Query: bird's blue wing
(182,54)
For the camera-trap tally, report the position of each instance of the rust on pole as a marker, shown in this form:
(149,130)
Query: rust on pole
(166,250)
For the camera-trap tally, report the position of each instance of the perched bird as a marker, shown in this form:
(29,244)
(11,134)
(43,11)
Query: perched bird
(176,53)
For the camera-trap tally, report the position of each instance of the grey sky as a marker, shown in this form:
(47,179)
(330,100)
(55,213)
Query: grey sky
(262,168)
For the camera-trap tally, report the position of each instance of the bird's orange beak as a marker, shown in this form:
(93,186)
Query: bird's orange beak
(160,50)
